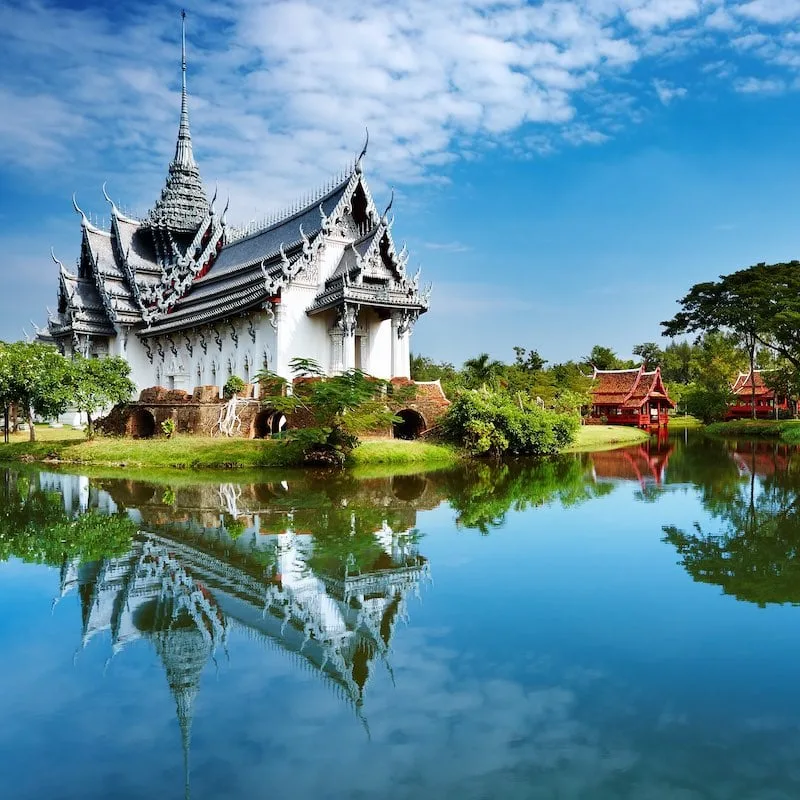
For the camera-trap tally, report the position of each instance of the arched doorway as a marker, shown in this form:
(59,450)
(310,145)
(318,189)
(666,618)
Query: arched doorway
(142,424)
(268,423)
(411,425)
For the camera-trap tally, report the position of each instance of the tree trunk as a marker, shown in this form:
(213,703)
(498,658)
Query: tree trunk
(753,377)
(31,429)
(89,426)
(6,415)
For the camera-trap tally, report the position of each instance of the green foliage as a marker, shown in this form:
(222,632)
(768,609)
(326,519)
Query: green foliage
(338,409)
(494,423)
(168,428)
(36,377)
(650,353)
(708,404)
(528,360)
(35,528)
(481,370)
(97,383)
(605,358)
(232,387)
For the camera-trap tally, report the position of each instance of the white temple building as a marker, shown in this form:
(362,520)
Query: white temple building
(189,300)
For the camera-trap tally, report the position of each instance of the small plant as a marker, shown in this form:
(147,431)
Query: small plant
(232,387)
(168,428)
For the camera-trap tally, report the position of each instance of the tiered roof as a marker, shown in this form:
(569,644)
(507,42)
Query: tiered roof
(743,384)
(628,388)
(183,267)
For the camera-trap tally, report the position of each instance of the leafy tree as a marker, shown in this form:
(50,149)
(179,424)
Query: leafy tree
(605,358)
(651,354)
(743,304)
(528,360)
(481,370)
(337,409)
(676,362)
(98,383)
(232,387)
(37,378)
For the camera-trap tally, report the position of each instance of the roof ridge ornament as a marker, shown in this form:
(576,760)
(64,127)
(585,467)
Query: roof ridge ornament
(84,220)
(114,209)
(384,216)
(358,168)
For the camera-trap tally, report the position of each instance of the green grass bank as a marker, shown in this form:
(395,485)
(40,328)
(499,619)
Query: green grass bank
(195,452)
(591,438)
(786,430)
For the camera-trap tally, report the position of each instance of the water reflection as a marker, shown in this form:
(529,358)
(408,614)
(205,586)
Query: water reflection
(563,653)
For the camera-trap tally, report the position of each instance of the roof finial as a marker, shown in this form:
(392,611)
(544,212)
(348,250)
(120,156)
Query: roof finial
(183,150)
(77,208)
(385,215)
(358,167)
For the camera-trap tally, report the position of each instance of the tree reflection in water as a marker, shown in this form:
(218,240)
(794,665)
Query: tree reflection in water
(752,494)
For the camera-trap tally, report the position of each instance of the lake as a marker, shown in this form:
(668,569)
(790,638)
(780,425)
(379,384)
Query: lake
(621,624)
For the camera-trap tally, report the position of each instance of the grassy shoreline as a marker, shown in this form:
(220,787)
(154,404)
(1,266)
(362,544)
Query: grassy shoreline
(63,447)
(787,430)
(592,438)
(67,447)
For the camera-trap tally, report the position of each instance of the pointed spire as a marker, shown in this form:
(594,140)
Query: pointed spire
(183,150)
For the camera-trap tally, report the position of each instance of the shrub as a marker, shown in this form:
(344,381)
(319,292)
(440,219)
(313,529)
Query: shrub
(168,428)
(495,423)
(232,387)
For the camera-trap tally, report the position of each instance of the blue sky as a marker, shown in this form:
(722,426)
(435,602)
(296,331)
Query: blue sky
(564,170)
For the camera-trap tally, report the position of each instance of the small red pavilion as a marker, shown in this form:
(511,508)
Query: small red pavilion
(767,402)
(630,397)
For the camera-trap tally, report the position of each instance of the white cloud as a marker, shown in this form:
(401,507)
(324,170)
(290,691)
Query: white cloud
(281,92)
(667,93)
(760,86)
(771,11)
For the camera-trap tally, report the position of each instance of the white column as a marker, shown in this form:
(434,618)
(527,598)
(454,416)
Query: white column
(396,344)
(337,355)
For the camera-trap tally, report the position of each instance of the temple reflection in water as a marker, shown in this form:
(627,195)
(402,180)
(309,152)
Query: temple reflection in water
(190,578)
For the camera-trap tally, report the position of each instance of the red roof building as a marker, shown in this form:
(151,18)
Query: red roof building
(767,403)
(630,397)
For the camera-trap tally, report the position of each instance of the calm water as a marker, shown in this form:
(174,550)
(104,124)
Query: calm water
(620,625)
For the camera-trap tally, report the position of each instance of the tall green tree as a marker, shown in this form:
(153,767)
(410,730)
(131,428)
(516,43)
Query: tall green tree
(602,357)
(651,354)
(38,380)
(480,370)
(98,383)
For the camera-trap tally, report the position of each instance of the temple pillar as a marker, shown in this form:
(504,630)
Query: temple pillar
(348,351)
(396,345)
(347,323)
(337,354)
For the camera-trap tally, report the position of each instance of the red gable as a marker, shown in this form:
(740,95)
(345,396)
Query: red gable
(742,385)
(628,388)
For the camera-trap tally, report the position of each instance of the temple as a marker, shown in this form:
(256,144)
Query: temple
(751,393)
(189,300)
(630,397)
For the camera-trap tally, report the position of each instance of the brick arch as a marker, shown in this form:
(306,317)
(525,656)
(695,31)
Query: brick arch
(141,424)
(411,426)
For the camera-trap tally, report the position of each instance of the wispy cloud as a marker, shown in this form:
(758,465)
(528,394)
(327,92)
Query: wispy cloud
(447,247)
(282,91)
(667,92)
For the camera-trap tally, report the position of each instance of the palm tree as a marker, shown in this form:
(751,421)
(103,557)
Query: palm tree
(480,370)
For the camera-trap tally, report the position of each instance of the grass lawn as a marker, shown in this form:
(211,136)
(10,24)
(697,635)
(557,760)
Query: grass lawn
(196,452)
(787,430)
(605,437)
(681,421)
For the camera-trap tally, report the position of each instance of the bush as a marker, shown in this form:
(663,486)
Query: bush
(707,404)
(168,428)
(495,423)
(232,387)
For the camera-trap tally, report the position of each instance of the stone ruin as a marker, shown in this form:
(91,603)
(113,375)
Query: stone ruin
(203,413)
